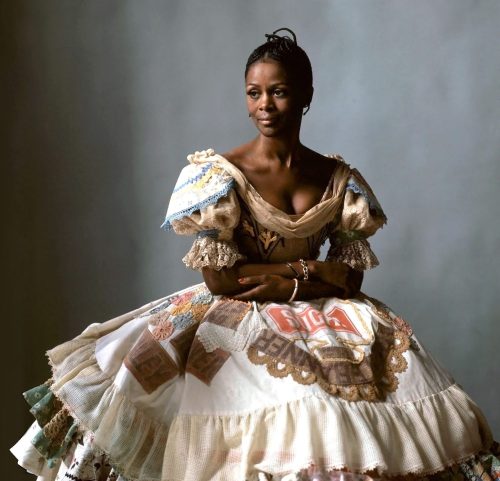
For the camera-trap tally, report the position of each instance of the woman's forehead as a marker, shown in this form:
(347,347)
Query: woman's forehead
(267,70)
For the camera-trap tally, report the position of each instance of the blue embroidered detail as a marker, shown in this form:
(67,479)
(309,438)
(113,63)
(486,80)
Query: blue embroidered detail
(353,186)
(212,233)
(167,224)
(194,179)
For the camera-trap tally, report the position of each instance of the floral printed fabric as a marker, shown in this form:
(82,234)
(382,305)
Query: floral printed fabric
(57,427)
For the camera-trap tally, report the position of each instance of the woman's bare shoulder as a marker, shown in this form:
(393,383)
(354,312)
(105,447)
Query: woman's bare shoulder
(327,159)
(319,165)
(240,155)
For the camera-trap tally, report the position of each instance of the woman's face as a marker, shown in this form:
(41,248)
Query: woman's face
(272,102)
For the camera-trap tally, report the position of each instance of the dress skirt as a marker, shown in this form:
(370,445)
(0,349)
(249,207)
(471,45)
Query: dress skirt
(196,387)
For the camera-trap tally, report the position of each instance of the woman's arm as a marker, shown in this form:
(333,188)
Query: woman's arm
(226,281)
(275,281)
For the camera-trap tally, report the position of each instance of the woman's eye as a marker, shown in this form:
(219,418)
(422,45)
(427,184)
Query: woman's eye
(253,94)
(279,93)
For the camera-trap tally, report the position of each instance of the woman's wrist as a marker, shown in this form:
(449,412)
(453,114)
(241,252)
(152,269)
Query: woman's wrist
(294,270)
(303,269)
(295,290)
(314,268)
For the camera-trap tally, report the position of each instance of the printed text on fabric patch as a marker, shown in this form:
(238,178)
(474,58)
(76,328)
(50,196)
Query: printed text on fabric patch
(149,363)
(227,313)
(310,320)
(205,365)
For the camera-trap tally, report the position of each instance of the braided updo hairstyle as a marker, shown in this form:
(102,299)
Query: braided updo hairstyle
(294,60)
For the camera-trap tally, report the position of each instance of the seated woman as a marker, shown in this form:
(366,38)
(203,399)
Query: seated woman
(277,367)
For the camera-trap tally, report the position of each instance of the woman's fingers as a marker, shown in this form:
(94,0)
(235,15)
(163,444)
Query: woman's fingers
(249,280)
(250,295)
(269,288)
(261,279)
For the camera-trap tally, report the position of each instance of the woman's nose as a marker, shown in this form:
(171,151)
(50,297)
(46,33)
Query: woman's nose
(266,102)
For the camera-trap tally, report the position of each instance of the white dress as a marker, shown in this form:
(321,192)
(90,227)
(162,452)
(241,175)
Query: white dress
(196,387)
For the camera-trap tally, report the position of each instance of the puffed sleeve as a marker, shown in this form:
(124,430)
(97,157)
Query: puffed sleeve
(360,218)
(204,203)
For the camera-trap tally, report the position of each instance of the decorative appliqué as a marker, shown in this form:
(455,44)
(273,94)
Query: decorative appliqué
(332,345)
(150,363)
(268,238)
(205,365)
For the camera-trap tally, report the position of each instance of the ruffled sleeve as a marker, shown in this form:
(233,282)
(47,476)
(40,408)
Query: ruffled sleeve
(360,218)
(205,204)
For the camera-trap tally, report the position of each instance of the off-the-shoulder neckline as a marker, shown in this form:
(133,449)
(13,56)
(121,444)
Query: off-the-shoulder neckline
(272,207)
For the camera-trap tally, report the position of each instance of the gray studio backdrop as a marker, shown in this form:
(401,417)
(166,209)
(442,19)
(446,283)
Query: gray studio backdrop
(103,100)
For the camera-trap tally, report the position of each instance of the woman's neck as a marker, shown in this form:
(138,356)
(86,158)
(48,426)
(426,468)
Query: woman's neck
(284,151)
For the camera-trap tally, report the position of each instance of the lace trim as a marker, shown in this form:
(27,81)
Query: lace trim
(393,344)
(356,254)
(224,326)
(208,252)
(213,199)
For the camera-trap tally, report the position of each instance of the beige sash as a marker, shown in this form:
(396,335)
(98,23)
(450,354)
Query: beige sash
(273,219)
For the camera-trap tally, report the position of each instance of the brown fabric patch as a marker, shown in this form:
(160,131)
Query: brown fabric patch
(228,313)
(205,365)
(286,352)
(349,380)
(149,363)
(182,343)
(281,348)
(335,353)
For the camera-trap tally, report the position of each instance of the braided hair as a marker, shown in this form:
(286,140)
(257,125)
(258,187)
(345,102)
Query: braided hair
(293,59)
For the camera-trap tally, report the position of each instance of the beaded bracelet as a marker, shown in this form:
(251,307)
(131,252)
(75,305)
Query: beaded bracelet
(305,269)
(288,264)
(295,290)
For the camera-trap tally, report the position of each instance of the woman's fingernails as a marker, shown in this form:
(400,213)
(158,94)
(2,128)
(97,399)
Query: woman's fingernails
(242,280)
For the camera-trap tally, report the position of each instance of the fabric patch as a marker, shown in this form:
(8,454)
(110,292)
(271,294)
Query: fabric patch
(57,429)
(163,327)
(310,320)
(189,308)
(205,365)
(228,313)
(334,353)
(149,363)
(182,343)
(289,355)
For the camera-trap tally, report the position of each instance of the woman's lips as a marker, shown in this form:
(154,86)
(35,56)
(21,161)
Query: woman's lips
(267,120)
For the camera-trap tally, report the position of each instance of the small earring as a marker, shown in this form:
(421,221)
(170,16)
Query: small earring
(307,107)
(249,114)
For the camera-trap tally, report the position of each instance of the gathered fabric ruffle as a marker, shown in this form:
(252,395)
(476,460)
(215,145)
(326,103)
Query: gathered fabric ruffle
(485,466)
(393,440)
(212,253)
(356,254)
(56,429)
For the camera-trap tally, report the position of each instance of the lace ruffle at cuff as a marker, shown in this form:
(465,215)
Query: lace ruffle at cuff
(356,254)
(213,253)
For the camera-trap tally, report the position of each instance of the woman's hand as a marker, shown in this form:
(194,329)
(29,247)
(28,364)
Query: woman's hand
(267,287)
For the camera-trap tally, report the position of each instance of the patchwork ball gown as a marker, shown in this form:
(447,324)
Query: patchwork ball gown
(196,387)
